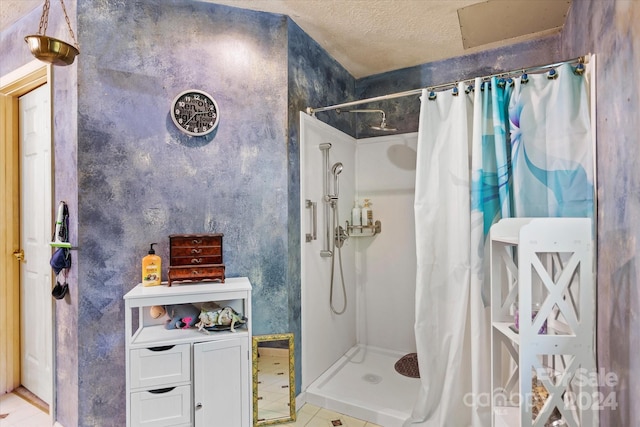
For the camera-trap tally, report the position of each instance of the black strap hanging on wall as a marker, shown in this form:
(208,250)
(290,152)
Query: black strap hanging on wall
(61,258)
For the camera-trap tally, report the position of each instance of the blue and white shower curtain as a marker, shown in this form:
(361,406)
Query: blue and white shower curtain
(520,147)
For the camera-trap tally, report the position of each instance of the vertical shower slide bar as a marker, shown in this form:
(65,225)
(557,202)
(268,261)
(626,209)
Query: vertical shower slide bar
(326,252)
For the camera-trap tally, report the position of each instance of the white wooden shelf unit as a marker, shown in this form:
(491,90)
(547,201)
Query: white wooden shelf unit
(187,377)
(547,262)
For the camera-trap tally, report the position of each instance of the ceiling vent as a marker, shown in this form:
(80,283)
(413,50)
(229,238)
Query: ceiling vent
(499,20)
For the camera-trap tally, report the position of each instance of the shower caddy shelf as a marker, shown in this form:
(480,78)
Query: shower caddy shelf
(547,260)
(365,230)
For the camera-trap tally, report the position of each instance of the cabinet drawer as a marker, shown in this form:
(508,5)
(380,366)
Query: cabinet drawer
(195,240)
(199,273)
(161,407)
(160,366)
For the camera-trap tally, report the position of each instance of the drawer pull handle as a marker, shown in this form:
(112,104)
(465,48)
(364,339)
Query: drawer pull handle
(196,260)
(195,272)
(196,251)
(196,241)
(161,390)
(161,348)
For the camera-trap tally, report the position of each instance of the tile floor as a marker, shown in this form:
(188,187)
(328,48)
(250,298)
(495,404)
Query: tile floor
(273,397)
(20,413)
(314,416)
(15,411)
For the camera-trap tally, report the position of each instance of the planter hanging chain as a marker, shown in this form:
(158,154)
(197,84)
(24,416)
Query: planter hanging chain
(44,21)
(49,49)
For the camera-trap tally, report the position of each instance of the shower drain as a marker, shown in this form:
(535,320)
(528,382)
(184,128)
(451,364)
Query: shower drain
(372,378)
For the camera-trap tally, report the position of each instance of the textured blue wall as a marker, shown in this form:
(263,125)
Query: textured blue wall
(141,179)
(137,179)
(611,30)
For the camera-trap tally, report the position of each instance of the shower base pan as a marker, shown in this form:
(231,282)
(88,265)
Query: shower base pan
(364,384)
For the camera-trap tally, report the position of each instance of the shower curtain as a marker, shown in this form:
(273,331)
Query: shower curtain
(501,148)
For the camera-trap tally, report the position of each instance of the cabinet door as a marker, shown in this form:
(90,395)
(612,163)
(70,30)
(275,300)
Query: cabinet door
(221,383)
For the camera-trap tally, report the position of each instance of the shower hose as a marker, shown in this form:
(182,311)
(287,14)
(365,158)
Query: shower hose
(337,236)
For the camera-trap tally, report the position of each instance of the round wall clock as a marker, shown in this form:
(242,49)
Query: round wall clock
(195,112)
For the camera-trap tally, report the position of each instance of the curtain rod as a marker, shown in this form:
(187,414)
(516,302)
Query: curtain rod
(579,60)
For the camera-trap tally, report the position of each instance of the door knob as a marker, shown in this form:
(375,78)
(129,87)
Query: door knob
(198,405)
(19,254)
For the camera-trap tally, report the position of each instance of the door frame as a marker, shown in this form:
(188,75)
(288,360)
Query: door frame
(12,86)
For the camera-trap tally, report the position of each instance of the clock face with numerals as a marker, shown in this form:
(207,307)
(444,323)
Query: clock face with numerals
(195,112)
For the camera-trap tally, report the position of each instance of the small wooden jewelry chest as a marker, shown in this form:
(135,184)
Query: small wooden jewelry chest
(195,258)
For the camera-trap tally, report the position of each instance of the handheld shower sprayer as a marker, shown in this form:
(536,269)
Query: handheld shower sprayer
(333,240)
(336,170)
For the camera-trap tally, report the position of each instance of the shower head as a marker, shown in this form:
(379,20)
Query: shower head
(383,123)
(383,126)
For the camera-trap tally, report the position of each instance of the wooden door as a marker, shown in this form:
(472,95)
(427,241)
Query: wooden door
(12,87)
(35,235)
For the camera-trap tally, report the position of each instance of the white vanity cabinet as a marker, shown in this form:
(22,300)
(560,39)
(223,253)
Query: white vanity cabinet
(186,377)
(543,371)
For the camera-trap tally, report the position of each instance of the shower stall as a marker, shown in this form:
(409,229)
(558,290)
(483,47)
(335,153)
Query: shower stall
(348,359)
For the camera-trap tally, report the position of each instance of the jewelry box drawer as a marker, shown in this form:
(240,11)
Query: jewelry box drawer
(162,407)
(186,255)
(160,366)
(196,259)
(201,273)
(195,240)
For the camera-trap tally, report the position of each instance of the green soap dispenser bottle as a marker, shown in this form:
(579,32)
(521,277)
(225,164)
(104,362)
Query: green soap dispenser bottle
(151,268)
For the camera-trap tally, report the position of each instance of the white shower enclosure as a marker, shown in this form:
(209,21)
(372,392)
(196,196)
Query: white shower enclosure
(348,360)
(325,335)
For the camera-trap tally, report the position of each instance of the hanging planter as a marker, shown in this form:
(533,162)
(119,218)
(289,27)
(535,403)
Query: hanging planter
(49,49)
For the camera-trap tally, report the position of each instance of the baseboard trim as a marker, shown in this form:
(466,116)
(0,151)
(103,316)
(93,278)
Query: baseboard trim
(33,400)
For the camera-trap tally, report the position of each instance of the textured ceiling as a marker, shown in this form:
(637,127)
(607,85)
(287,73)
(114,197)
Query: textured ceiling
(374,36)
